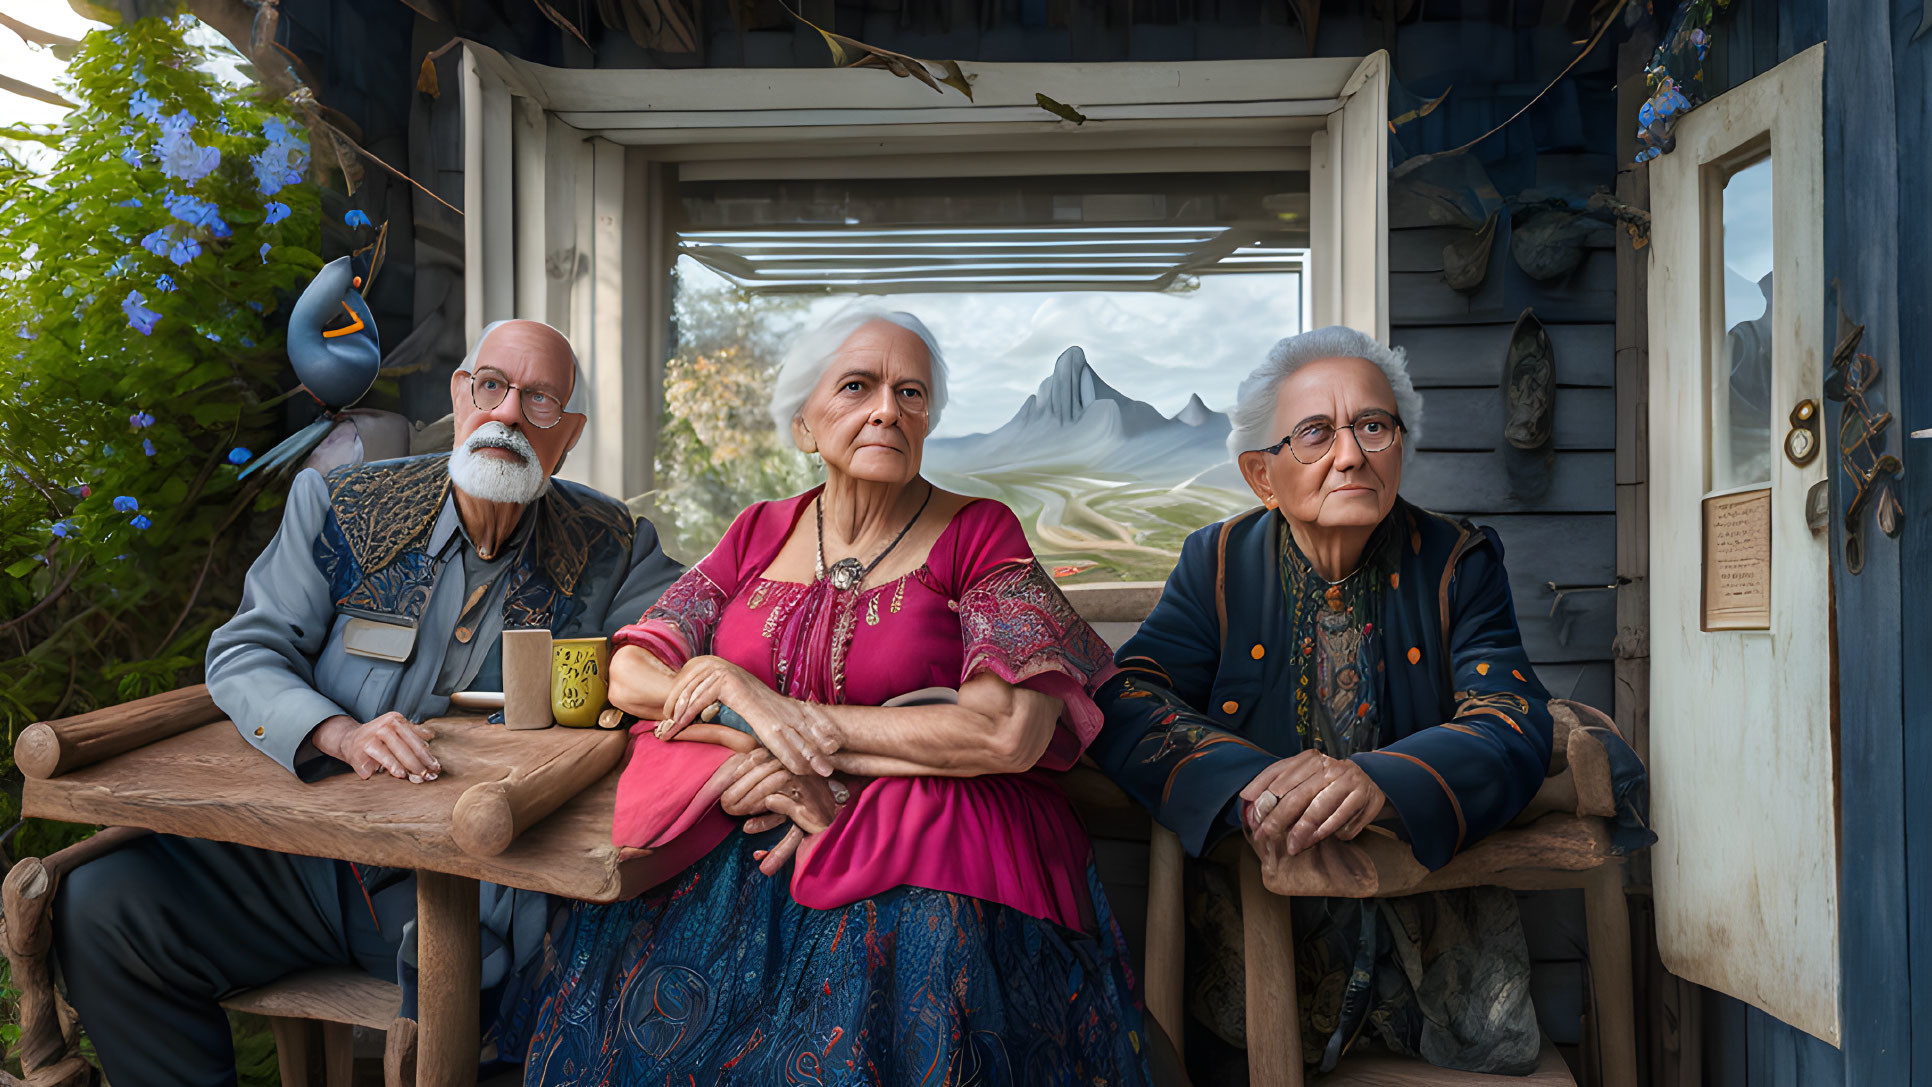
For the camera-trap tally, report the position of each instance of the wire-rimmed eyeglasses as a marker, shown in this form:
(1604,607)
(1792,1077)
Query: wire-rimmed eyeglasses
(1374,431)
(490,388)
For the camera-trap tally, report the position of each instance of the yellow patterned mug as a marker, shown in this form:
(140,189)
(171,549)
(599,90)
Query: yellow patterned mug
(579,680)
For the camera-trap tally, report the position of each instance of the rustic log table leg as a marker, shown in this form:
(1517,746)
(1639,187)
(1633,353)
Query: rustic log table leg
(449,977)
(1607,917)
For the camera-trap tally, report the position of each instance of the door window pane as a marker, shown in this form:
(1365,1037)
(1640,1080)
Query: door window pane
(1741,401)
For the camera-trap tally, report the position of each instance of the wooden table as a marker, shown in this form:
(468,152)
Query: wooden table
(208,783)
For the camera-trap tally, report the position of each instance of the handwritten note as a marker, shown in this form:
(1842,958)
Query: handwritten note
(1737,561)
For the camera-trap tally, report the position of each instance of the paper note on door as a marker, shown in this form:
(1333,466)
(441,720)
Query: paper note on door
(1737,561)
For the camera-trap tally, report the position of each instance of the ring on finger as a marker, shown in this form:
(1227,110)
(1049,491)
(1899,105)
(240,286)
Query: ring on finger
(1265,803)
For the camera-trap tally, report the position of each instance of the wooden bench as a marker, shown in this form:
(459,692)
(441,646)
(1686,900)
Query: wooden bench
(313,1014)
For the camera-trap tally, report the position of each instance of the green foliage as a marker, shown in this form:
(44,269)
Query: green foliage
(717,449)
(102,599)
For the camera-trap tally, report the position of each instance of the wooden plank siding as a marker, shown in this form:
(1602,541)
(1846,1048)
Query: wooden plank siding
(1558,521)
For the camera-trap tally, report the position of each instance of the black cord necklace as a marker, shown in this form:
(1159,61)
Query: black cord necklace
(846,573)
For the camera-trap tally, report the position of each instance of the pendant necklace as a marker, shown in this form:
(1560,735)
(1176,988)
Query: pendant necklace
(847,574)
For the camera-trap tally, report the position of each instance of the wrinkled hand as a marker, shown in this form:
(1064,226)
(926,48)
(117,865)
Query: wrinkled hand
(772,796)
(800,734)
(1315,798)
(760,779)
(391,742)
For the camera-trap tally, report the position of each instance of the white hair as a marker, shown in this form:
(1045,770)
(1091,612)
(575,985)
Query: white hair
(1253,416)
(811,355)
(579,400)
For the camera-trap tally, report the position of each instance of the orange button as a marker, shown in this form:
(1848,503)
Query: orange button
(1230,707)
(1415,654)
(1482,669)
(260,731)
(1258,652)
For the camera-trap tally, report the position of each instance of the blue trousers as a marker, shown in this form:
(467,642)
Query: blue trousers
(150,938)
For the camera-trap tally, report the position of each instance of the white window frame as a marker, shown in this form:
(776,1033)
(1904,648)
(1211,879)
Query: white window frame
(567,171)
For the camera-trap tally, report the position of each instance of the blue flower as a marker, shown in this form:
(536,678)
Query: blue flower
(283,161)
(147,447)
(196,212)
(246,342)
(239,455)
(184,251)
(181,157)
(214,337)
(355,217)
(277,211)
(126,504)
(140,420)
(139,317)
(131,155)
(166,283)
(144,105)
(256,306)
(122,265)
(264,252)
(26,333)
(159,242)
(62,528)
(130,202)
(141,522)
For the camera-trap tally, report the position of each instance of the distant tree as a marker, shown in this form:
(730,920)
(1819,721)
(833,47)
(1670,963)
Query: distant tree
(718,451)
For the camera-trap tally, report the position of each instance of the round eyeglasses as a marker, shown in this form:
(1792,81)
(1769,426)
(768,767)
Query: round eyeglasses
(490,388)
(1374,431)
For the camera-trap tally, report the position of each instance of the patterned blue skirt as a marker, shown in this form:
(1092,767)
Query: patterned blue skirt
(720,978)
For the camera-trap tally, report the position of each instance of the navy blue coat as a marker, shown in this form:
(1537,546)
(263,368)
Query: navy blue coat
(1204,701)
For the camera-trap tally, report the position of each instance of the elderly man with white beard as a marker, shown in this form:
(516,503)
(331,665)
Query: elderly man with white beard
(384,592)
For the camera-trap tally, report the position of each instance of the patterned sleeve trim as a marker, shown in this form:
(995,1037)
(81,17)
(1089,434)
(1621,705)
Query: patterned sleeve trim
(687,613)
(1016,623)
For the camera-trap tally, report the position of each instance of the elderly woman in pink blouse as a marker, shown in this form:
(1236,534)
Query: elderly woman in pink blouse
(875,676)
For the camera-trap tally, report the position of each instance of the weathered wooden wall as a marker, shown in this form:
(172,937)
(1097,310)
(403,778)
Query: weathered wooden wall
(1558,521)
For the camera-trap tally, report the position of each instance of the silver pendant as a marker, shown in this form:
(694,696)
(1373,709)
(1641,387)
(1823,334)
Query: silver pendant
(845,574)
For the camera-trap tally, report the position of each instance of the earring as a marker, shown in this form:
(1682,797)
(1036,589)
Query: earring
(1269,502)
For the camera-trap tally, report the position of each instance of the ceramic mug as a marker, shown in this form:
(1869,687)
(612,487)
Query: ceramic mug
(579,680)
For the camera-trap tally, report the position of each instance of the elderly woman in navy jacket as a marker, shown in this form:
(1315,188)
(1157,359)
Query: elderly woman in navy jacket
(1333,659)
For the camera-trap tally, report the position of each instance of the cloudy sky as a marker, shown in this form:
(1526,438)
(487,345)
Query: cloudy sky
(1156,347)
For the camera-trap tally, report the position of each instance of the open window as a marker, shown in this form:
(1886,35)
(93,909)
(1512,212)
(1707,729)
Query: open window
(1201,211)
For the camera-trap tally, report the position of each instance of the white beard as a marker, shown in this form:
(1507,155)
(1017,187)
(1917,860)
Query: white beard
(494,479)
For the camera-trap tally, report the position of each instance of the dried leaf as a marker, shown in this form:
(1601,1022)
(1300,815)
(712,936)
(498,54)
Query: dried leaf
(956,79)
(853,53)
(426,79)
(1420,111)
(1060,109)
(557,17)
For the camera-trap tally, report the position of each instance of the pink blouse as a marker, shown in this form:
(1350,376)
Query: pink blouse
(979,604)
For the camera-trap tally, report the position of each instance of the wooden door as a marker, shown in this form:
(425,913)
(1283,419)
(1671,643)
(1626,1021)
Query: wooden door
(1742,763)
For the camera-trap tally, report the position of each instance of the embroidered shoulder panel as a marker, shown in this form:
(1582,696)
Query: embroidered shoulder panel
(579,527)
(1017,623)
(385,507)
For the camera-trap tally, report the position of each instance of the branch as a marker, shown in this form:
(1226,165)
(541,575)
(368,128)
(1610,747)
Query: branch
(45,601)
(28,90)
(1417,162)
(62,47)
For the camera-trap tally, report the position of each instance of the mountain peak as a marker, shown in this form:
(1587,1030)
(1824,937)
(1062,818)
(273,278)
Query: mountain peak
(1195,412)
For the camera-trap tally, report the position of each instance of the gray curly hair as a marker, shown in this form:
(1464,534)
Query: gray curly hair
(812,354)
(1254,411)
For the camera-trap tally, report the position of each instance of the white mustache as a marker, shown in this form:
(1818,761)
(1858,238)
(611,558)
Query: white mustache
(494,435)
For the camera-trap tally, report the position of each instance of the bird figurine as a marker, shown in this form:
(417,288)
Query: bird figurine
(333,346)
